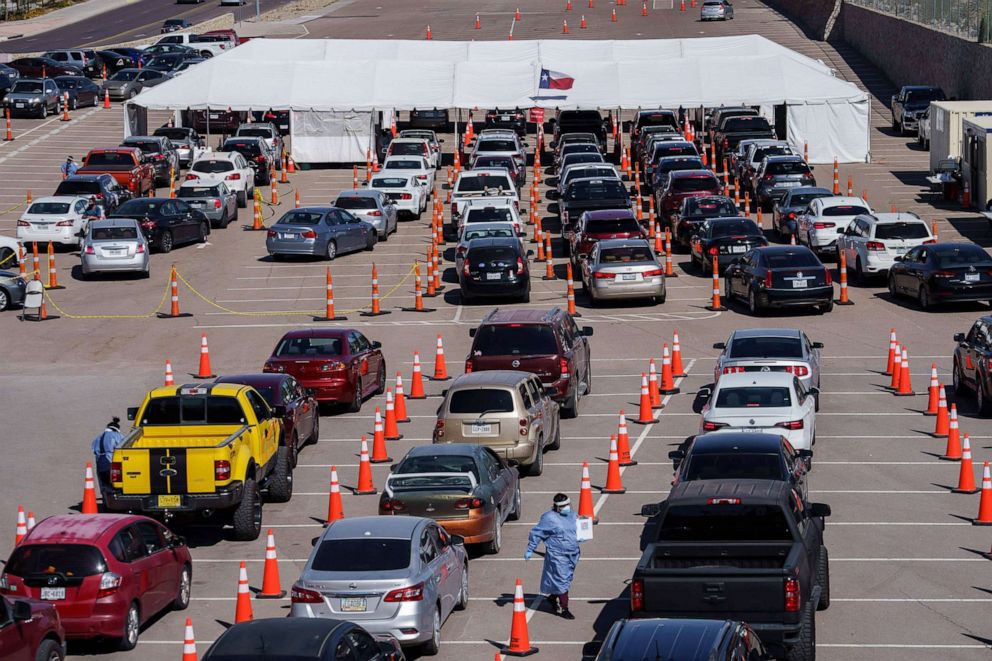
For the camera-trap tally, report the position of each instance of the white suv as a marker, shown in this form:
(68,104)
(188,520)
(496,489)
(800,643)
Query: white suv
(825,219)
(229,167)
(873,241)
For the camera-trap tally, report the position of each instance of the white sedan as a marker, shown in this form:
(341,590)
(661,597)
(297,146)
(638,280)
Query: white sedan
(229,167)
(57,219)
(8,252)
(825,220)
(409,196)
(769,402)
(418,168)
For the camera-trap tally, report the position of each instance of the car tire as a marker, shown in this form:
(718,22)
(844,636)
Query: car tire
(958,386)
(923,298)
(536,468)
(373,239)
(496,543)
(165,243)
(462,602)
(8,258)
(4,299)
(571,409)
(380,380)
(247,516)
(242,197)
(132,94)
(556,441)
(331,252)
(433,646)
(280,483)
(315,434)
(132,629)
(49,650)
(823,579)
(892,287)
(827,307)
(356,404)
(204,231)
(44,110)
(805,647)
(752,303)
(526,297)
(181,602)
(518,507)
(982,400)
(385,235)
(860,279)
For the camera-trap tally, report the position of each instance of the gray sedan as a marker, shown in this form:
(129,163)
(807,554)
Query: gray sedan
(127,83)
(770,350)
(114,245)
(216,201)
(623,269)
(319,232)
(399,575)
(372,206)
(716,10)
(12,290)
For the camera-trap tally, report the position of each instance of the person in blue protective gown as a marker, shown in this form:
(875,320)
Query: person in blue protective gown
(557,529)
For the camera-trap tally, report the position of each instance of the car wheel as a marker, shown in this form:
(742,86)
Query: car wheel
(571,408)
(982,399)
(923,298)
(380,380)
(204,231)
(536,468)
(95,100)
(132,628)
(242,197)
(247,518)
(730,292)
(823,579)
(44,110)
(356,403)
(132,94)
(752,303)
(8,258)
(181,602)
(859,274)
(526,296)
(496,543)
(805,648)
(556,441)
(49,650)
(165,242)
(315,434)
(373,239)
(385,234)
(280,483)
(957,380)
(827,307)
(517,505)
(332,250)
(892,287)
(4,299)
(463,593)
(432,646)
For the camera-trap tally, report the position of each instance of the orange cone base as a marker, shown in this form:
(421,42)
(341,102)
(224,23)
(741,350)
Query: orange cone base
(274,595)
(933,435)
(416,310)
(367,492)
(722,308)
(976,522)
(945,457)
(671,391)
(644,422)
(622,490)
(956,490)
(837,301)
(506,652)
(396,438)
(434,378)
(164,315)
(380,313)
(38,317)
(904,394)
(48,288)
(334,318)
(384,460)
(631,462)
(204,376)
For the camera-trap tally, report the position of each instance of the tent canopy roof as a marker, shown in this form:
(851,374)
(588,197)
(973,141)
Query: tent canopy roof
(352,74)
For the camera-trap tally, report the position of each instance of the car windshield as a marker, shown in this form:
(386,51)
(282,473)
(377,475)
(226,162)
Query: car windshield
(49,207)
(405,149)
(663,149)
(212,167)
(493,256)
(587,157)
(625,255)
(749,123)
(741,227)
(193,410)
(137,207)
(626,225)
(581,173)
(113,233)
(923,97)
(753,397)
(787,167)
(482,181)
(734,466)
(597,189)
(494,162)
(797,259)
(488,215)
(702,207)
(66,83)
(404,165)
(301,218)
(173,134)
(437,463)
(243,147)
(146,146)
(658,119)
(496,145)
(775,150)
(70,560)
(26,87)
(902,231)
(199,191)
(766,347)
(481,400)
(843,210)
(255,133)
(580,148)
(78,188)
(694,184)
(487,233)
(515,340)
(964,256)
(356,203)
(309,346)
(389,182)
(803,199)
(371,554)
(724,523)
(690,163)
(127,74)
(110,158)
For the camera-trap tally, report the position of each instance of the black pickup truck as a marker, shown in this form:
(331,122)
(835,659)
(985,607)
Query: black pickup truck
(591,194)
(749,550)
(736,128)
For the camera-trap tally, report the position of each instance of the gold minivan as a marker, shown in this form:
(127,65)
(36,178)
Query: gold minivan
(505,410)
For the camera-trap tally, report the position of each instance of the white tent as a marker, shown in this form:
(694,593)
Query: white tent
(324,76)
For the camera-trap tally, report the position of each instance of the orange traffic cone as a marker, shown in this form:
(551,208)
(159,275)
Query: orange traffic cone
(715,305)
(677,368)
(623,441)
(379,455)
(335,510)
(242,609)
(893,345)
(933,391)
(22,525)
(896,370)
(329,314)
(653,392)
(570,290)
(568,5)
(966,477)
(30,520)
(189,642)
(89,492)
(586,508)
(440,368)
(297,201)
(376,310)
(942,426)
(905,386)
(953,451)
(645,415)
(516,16)
(582,23)
(478,22)
(400,404)
(106,99)
(985,503)
(205,371)
(392,431)
(519,638)
(169,377)
(667,380)
(613,16)
(428,36)
(271,588)
(417,379)
(613,482)
(365,486)
(564,26)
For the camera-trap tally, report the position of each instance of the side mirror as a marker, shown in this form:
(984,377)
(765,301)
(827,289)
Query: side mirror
(651,509)
(471,331)
(177,541)
(587,331)
(314,540)
(392,468)
(530,253)
(21,611)
(804,454)
(440,140)
(553,194)
(818,345)
(819,510)
(376,344)
(512,463)
(897,258)
(959,337)
(457,540)
(132,413)
(720,345)
(278,411)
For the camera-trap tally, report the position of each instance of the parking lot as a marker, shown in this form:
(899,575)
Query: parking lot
(910,580)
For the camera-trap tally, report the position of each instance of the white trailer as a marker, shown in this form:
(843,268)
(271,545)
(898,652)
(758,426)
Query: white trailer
(946,137)
(976,160)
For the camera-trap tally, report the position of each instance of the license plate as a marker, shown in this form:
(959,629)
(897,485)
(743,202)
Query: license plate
(482,429)
(971,277)
(353,605)
(751,430)
(798,284)
(506,118)
(197,204)
(52,594)
(169,501)
(213,116)
(789,184)
(738,249)
(494,276)
(627,276)
(284,235)
(116,253)
(18,105)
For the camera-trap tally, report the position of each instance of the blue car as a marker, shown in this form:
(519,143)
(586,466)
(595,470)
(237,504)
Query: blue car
(319,232)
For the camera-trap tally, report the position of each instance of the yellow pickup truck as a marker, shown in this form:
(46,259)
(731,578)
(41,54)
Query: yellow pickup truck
(208,449)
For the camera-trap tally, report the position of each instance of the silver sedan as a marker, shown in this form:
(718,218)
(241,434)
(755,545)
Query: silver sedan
(216,201)
(623,269)
(114,245)
(399,575)
(770,350)
(372,206)
(319,232)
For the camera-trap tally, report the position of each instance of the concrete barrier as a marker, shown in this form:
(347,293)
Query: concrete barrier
(815,17)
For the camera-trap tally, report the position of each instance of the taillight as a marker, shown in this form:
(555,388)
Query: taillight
(412,593)
(300,595)
(469,503)
(768,177)
(140,249)
(733,370)
(454,209)
(827,277)
(520,266)
(191,177)
(469,366)
(23,223)
(109,582)
(64,223)
(309,234)
(823,225)
(465,268)
(929,241)
(653,273)
(439,429)
(116,472)
(792,595)
(216,204)
(563,367)
(768,279)
(222,470)
(712,250)
(375,213)
(393,505)
(333,366)
(524,424)
(723,501)
(875,246)
(259,159)
(271,234)
(791,424)
(273,367)
(637,594)
(791,215)
(726,144)
(713,426)
(90,251)
(406,196)
(944,274)
(798,370)
(600,275)
(233,177)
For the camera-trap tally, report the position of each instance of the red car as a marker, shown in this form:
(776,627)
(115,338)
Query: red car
(685,183)
(340,365)
(106,574)
(594,226)
(30,630)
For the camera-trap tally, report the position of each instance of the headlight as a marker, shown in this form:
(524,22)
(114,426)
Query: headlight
(35,100)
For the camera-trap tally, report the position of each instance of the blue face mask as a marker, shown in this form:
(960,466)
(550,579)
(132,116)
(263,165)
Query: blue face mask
(564,510)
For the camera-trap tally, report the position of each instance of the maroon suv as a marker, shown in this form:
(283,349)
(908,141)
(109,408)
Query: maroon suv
(30,630)
(594,226)
(682,184)
(545,342)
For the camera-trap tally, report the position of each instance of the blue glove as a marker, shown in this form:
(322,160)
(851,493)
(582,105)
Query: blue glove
(528,554)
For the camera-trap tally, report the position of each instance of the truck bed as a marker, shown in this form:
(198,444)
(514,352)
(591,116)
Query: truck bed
(192,436)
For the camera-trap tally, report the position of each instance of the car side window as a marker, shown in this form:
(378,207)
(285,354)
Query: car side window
(491,464)
(287,392)
(134,548)
(525,396)
(363,343)
(364,647)
(332,219)
(982,339)
(181,207)
(439,537)
(116,547)
(150,537)
(428,552)
(344,652)
(261,409)
(535,390)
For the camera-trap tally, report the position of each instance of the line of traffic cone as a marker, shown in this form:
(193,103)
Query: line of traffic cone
(31,522)
(242,608)
(392,430)
(417,379)
(933,391)
(271,587)
(677,368)
(53,272)
(329,314)
(905,386)
(614,483)
(653,391)
(667,380)
(570,290)
(896,370)
(645,414)
(379,454)
(716,305)
(966,475)
(204,372)
(376,310)
(942,423)
(953,450)
(586,508)
(365,486)
(623,441)
(519,637)
(440,367)
(400,403)
(335,509)
(89,492)
(985,503)
(893,345)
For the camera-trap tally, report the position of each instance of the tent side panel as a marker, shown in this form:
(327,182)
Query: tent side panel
(833,130)
(330,137)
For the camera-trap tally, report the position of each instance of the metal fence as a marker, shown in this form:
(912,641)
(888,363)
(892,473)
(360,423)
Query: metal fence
(17,9)
(968,19)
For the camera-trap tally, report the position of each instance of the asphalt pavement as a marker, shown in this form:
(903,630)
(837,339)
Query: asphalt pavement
(908,577)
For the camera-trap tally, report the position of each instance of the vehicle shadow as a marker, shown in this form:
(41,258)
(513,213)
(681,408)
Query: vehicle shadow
(76,273)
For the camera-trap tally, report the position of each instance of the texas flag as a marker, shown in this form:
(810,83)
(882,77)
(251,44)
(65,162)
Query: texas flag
(555,80)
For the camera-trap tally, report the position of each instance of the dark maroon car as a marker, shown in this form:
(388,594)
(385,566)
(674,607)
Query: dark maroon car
(30,630)
(682,184)
(340,365)
(301,424)
(595,226)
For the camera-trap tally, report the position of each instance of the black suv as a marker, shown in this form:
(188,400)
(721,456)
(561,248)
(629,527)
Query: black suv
(158,151)
(973,364)
(507,119)
(495,267)
(257,153)
(581,121)
(545,342)
(104,187)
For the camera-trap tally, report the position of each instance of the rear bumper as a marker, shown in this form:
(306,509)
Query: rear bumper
(474,530)
(138,262)
(956,294)
(223,498)
(106,620)
(783,298)
(604,289)
(502,288)
(411,625)
(306,247)
(64,236)
(338,389)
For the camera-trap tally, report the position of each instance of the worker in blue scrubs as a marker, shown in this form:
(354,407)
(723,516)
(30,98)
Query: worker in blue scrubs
(557,529)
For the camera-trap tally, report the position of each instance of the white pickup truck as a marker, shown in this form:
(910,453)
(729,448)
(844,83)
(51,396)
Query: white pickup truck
(208,44)
(487,184)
